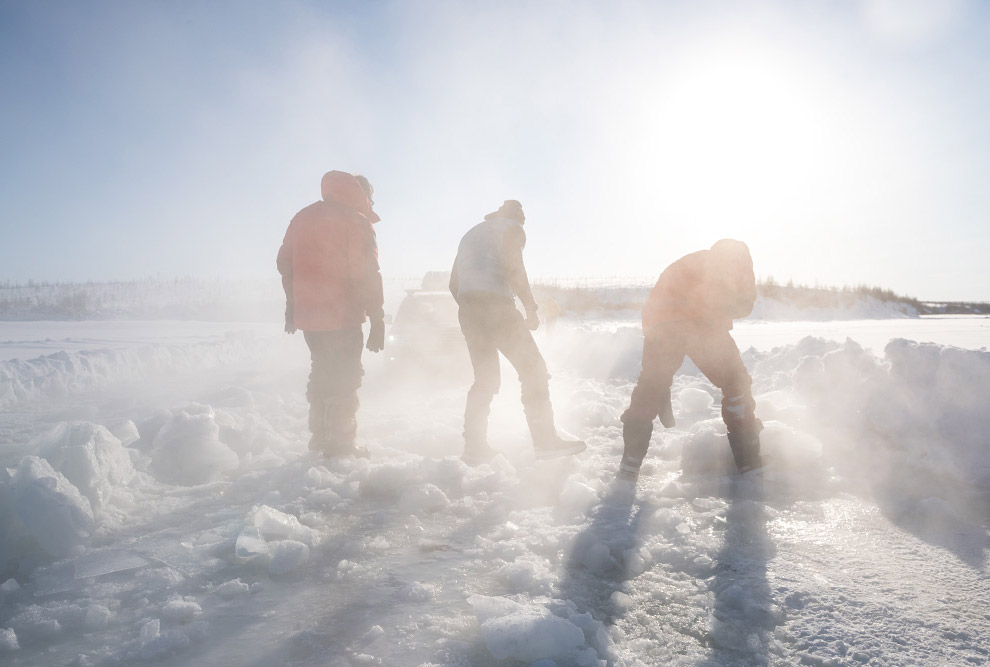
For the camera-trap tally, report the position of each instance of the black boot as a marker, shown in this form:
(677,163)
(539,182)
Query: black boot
(318,424)
(343,429)
(636,441)
(745,447)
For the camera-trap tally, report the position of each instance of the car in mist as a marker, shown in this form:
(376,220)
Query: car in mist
(425,335)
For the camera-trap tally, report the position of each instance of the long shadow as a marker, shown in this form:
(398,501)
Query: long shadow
(595,568)
(743,620)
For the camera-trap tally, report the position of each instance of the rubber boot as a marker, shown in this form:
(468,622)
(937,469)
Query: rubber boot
(745,447)
(636,441)
(547,443)
(318,424)
(343,428)
(476,411)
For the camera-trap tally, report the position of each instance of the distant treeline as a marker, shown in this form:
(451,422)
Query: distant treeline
(195,298)
(582,298)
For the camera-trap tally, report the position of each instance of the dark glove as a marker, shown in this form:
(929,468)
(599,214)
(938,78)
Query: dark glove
(290,320)
(376,336)
(532,320)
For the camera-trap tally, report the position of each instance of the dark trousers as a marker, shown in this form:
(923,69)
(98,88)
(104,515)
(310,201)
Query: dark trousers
(492,324)
(713,351)
(334,378)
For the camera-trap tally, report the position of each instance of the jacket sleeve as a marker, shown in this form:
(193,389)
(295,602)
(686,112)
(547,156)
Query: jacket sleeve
(366,277)
(284,264)
(515,271)
(454,283)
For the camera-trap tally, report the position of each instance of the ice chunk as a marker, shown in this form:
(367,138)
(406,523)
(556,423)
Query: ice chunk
(274,524)
(187,450)
(98,563)
(287,555)
(90,457)
(694,401)
(577,497)
(150,630)
(425,498)
(524,632)
(180,610)
(233,588)
(125,431)
(50,507)
(251,544)
(9,586)
(8,640)
(97,617)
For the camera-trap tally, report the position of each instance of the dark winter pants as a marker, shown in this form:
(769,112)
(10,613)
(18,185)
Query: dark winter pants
(492,325)
(333,383)
(714,352)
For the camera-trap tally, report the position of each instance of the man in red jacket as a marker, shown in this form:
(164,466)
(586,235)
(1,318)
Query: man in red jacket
(690,312)
(329,267)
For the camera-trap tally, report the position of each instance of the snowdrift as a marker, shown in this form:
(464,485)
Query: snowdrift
(65,373)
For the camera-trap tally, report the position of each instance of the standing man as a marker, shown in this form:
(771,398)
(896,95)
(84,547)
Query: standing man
(487,273)
(690,312)
(329,267)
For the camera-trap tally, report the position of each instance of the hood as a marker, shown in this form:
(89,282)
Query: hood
(344,189)
(511,210)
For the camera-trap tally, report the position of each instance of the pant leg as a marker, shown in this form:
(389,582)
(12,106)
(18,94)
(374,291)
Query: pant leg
(663,354)
(334,379)
(714,352)
(515,341)
(476,325)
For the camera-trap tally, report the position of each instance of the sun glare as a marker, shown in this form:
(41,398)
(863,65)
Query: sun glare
(735,137)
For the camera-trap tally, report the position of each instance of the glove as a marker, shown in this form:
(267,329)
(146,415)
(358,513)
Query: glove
(532,320)
(290,320)
(376,336)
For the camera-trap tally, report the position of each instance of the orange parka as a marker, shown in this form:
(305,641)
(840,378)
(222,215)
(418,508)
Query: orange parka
(329,259)
(713,286)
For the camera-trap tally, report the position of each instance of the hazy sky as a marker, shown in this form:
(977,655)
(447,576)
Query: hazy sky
(845,142)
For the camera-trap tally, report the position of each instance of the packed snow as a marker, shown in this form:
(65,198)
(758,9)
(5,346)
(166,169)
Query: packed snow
(158,504)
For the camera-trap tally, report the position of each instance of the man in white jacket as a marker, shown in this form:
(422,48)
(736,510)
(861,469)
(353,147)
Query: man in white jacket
(487,273)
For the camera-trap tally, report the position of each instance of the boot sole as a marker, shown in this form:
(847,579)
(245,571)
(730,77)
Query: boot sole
(576,448)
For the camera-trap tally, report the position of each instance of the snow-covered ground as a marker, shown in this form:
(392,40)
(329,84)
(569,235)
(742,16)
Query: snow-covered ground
(160,506)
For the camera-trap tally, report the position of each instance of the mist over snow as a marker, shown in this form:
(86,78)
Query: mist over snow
(158,505)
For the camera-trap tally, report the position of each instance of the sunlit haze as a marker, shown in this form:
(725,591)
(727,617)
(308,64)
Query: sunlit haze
(845,142)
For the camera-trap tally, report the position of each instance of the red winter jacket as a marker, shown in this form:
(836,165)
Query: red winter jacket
(715,286)
(329,259)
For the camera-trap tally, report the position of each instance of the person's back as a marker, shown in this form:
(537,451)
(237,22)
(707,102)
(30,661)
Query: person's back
(330,257)
(689,313)
(483,258)
(329,266)
(714,286)
(487,273)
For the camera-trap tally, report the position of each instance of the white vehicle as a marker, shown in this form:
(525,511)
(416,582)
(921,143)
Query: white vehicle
(425,334)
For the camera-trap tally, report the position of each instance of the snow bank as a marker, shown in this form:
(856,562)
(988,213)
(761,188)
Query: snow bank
(66,373)
(854,308)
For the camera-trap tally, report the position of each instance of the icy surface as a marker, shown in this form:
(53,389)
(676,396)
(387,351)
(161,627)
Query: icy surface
(158,509)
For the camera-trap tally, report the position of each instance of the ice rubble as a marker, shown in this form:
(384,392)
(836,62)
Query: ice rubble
(919,402)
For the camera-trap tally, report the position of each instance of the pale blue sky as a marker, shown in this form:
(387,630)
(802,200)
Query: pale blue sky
(846,142)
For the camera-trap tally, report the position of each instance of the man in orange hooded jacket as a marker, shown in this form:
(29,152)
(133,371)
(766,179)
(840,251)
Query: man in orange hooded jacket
(690,312)
(329,266)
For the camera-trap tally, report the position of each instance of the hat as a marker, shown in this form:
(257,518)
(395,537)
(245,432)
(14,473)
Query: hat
(511,209)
